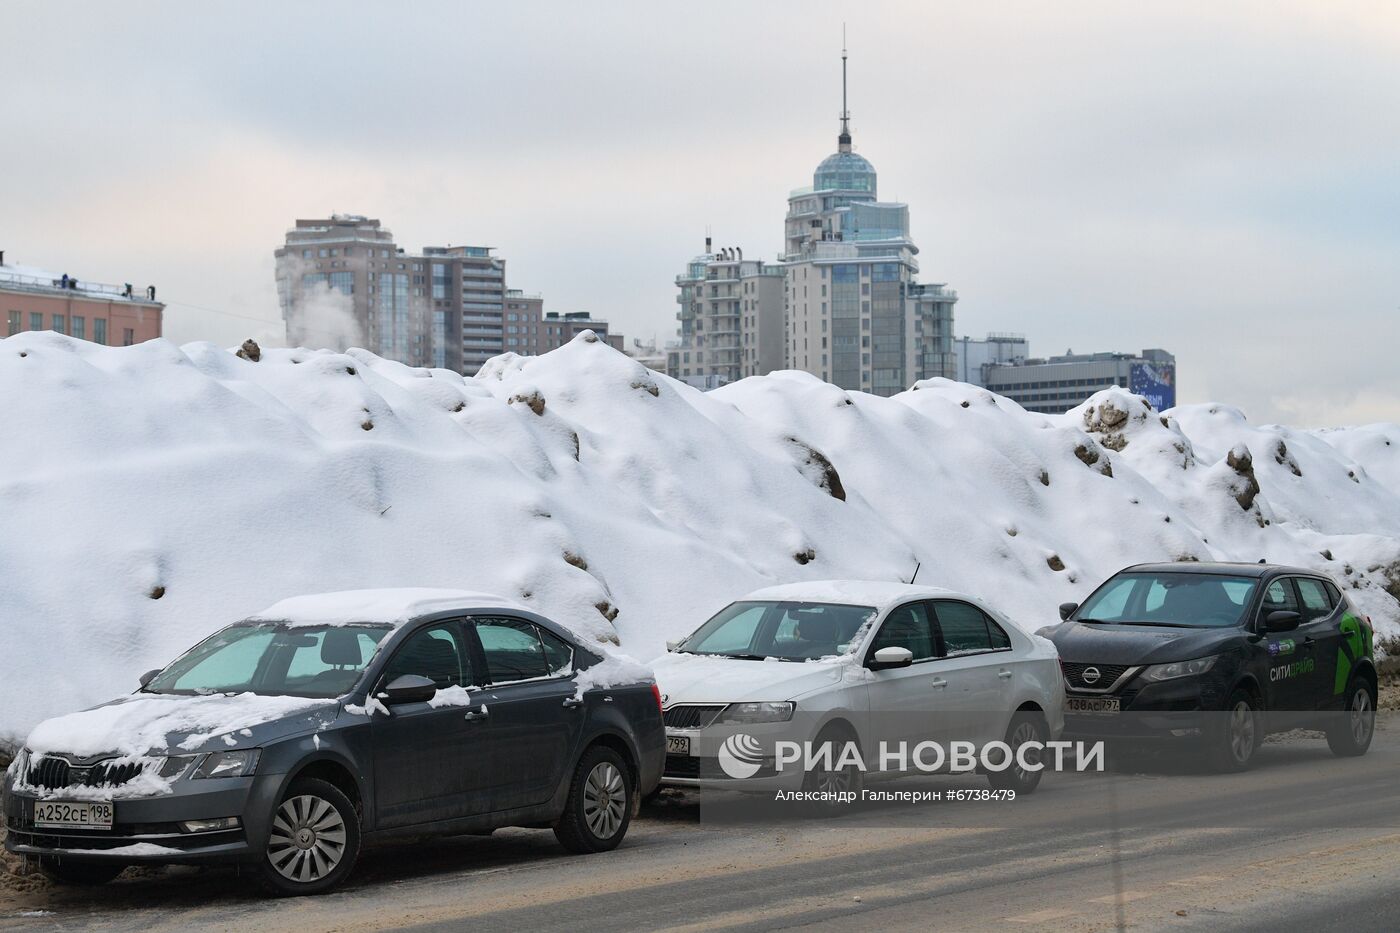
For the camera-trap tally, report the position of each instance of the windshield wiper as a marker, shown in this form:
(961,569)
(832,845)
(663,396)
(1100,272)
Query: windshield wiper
(1096,621)
(1160,624)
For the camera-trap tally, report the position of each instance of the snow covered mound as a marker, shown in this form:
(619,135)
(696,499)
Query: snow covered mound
(150,494)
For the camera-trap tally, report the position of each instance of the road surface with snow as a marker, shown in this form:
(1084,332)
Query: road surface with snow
(1305,841)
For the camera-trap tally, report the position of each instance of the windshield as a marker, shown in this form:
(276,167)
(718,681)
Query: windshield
(1189,600)
(790,631)
(274,659)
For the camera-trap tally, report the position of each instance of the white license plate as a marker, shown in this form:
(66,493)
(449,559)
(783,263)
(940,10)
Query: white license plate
(73,815)
(678,745)
(1091,705)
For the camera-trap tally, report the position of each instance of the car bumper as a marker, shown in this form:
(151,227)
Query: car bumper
(149,829)
(1171,709)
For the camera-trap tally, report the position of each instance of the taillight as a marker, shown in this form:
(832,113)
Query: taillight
(656,692)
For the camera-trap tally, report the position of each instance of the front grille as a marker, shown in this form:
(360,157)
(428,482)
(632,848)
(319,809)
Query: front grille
(682,766)
(688,716)
(1108,675)
(52,773)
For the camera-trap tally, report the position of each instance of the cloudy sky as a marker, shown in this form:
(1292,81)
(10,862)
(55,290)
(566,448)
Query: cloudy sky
(1222,180)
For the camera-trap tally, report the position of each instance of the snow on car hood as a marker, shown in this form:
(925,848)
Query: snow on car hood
(146,723)
(693,678)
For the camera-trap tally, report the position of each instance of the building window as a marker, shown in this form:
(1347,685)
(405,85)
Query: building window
(128,337)
(99,330)
(79,327)
(36,320)
(14,323)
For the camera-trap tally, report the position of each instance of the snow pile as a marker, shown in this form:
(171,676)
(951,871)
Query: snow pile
(150,494)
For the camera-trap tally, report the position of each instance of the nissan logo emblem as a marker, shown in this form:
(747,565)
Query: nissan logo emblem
(1090,676)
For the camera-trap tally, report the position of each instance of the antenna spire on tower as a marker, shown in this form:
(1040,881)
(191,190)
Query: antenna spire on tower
(844,140)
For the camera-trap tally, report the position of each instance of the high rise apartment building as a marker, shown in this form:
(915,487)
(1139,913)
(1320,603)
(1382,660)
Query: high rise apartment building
(342,282)
(853,311)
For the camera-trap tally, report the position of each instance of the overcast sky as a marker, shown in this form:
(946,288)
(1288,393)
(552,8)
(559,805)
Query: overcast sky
(1222,180)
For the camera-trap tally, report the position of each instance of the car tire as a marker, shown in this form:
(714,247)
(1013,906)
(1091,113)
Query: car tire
(825,782)
(313,840)
(1026,726)
(600,804)
(1349,734)
(78,872)
(1232,740)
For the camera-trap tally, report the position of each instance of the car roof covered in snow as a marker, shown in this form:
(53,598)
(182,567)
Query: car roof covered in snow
(1234,569)
(877,593)
(392,606)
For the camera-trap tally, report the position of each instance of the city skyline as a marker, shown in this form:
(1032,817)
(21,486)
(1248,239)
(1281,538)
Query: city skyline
(1204,179)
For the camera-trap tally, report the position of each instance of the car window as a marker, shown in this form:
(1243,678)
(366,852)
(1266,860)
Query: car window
(964,627)
(558,653)
(432,653)
(330,660)
(907,627)
(1334,593)
(736,634)
(998,634)
(1317,604)
(1278,597)
(234,663)
(1112,600)
(513,650)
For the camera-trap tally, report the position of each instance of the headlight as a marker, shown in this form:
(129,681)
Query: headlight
(173,767)
(19,768)
(1179,668)
(227,764)
(758,712)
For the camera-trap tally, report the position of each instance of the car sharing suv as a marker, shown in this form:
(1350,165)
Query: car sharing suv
(1220,653)
(836,662)
(286,740)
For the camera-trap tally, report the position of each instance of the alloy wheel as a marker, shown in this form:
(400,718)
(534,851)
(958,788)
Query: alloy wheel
(307,840)
(1024,734)
(1242,731)
(1363,717)
(604,799)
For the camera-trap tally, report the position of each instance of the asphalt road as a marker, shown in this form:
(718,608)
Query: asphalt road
(1305,841)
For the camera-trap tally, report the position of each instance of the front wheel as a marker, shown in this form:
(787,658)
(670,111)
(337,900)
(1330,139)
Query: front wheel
(1027,728)
(1234,737)
(1349,733)
(314,840)
(599,808)
(69,871)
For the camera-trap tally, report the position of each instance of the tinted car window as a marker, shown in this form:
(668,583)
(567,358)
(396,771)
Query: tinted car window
(513,650)
(1278,597)
(998,635)
(907,627)
(1176,597)
(1317,604)
(432,653)
(558,653)
(964,628)
(794,631)
(274,659)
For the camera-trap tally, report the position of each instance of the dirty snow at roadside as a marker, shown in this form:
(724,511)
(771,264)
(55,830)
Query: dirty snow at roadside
(151,494)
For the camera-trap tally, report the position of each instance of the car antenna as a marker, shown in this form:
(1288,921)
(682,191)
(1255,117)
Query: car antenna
(917,565)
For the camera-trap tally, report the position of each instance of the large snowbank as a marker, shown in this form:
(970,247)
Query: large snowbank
(151,494)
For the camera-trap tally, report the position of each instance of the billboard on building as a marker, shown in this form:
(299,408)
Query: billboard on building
(1155,382)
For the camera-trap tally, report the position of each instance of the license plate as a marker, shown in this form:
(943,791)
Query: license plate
(73,815)
(678,745)
(1091,705)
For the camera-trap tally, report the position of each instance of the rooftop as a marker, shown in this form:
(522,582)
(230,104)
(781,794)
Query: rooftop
(393,606)
(41,281)
(878,594)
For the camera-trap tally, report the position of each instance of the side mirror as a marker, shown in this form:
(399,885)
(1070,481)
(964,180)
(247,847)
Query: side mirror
(891,657)
(1067,610)
(1282,620)
(408,688)
(149,676)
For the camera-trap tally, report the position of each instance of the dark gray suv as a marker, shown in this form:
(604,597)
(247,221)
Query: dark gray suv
(288,739)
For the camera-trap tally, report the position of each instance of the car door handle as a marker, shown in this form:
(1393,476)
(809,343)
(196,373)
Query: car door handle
(938,682)
(476,715)
(572,702)
(1004,675)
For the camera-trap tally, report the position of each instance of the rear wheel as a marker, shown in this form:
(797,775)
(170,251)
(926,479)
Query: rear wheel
(314,840)
(70,871)
(599,808)
(1026,727)
(1349,733)
(1233,739)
